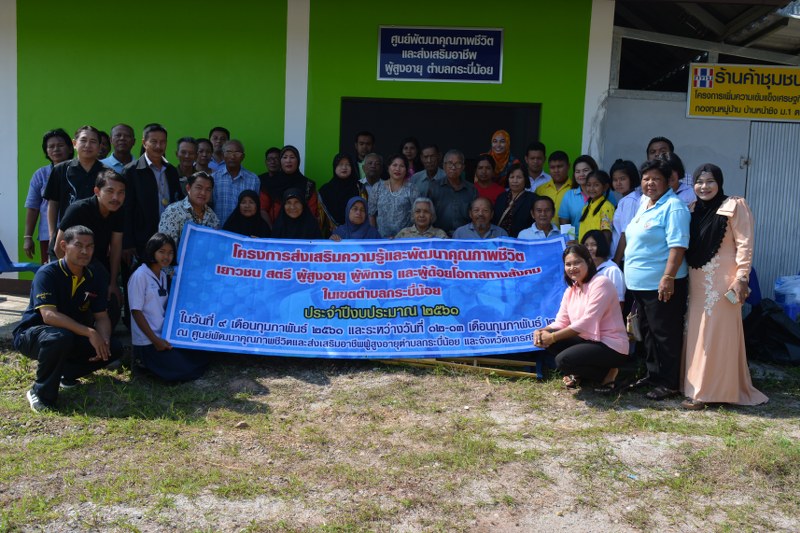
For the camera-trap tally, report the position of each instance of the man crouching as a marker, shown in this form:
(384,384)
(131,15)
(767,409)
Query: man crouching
(66,326)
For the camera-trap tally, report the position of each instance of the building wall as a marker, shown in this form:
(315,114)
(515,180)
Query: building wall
(193,65)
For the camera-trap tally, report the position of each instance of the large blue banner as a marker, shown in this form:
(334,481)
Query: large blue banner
(473,55)
(361,299)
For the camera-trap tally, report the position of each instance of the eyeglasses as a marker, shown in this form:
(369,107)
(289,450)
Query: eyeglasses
(454,164)
(233,152)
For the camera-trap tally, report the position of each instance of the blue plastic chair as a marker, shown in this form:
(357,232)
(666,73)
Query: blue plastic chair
(7,265)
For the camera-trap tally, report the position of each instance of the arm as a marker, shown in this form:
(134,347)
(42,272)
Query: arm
(742,224)
(31,215)
(52,217)
(620,250)
(98,336)
(59,237)
(158,343)
(667,284)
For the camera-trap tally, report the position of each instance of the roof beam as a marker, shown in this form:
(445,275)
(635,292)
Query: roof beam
(699,44)
(772,28)
(704,17)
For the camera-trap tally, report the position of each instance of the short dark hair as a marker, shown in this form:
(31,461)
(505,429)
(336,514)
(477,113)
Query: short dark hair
(582,252)
(87,128)
(630,170)
(659,165)
(219,128)
(200,175)
(152,128)
(61,134)
(202,140)
(154,244)
(391,158)
(102,134)
(73,231)
(674,162)
(484,157)
(603,248)
(106,175)
(190,140)
(433,146)
(270,150)
(536,146)
(546,199)
(659,140)
(364,133)
(558,155)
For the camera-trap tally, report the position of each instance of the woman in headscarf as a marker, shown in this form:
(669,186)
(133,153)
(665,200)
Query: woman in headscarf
(719,257)
(335,195)
(357,225)
(289,177)
(246,220)
(502,157)
(295,220)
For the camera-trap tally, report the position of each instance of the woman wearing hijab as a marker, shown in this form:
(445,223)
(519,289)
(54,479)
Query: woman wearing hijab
(289,177)
(246,220)
(502,157)
(295,220)
(335,195)
(357,225)
(719,257)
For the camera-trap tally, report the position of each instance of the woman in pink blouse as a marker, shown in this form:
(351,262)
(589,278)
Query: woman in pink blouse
(588,336)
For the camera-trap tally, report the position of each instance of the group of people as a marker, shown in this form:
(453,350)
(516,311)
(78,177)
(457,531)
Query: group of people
(133,211)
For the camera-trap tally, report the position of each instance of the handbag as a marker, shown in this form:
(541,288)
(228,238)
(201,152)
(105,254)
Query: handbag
(633,324)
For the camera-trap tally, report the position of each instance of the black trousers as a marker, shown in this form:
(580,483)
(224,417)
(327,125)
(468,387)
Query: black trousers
(590,360)
(60,353)
(662,327)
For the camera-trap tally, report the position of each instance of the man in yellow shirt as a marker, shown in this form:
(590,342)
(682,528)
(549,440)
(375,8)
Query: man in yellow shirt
(560,183)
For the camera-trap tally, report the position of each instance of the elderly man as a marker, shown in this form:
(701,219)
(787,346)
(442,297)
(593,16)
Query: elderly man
(542,212)
(424,215)
(66,326)
(231,180)
(481,227)
(122,140)
(452,196)
(193,208)
(373,169)
(431,173)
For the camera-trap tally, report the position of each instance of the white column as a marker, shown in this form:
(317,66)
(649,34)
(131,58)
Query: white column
(296,99)
(9,201)
(598,75)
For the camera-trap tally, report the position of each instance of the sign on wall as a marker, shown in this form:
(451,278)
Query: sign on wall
(466,55)
(750,92)
(361,299)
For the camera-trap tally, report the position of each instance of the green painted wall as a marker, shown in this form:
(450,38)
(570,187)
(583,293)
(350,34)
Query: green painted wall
(544,61)
(190,65)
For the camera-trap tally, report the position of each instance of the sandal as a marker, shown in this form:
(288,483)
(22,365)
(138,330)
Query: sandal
(661,393)
(693,405)
(610,388)
(571,381)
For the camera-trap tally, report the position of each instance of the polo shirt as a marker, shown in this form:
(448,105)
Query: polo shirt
(214,166)
(422,182)
(650,235)
(571,208)
(557,195)
(86,212)
(114,163)
(452,206)
(534,233)
(469,232)
(227,190)
(55,286)
(69,182)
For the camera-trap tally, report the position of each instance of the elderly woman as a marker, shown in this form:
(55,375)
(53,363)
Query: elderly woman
(390,200)
(424,215)
(295,220)
(289,177)
(512,211)
(656,275)
(719,257)
(357,225)
(588,336)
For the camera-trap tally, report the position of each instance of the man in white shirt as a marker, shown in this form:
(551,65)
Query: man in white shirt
(534,160)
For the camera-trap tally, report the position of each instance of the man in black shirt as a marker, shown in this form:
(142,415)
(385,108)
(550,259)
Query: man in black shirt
(102,214)
(66,326)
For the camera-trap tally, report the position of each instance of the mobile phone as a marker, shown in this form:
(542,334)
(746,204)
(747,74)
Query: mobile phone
(731,296)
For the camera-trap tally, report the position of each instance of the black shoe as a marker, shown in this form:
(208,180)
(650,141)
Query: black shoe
(37,405)
(69,383)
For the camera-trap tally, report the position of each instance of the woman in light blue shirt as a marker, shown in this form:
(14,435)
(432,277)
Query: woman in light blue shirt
(656,275)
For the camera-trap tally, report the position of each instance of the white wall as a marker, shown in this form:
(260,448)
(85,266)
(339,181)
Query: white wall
(630,123)
(9,202)
(598,73)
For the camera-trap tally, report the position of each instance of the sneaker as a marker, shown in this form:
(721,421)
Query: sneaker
(69,383)
(37,405)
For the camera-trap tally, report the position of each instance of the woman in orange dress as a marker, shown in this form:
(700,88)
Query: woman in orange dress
(719,256)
